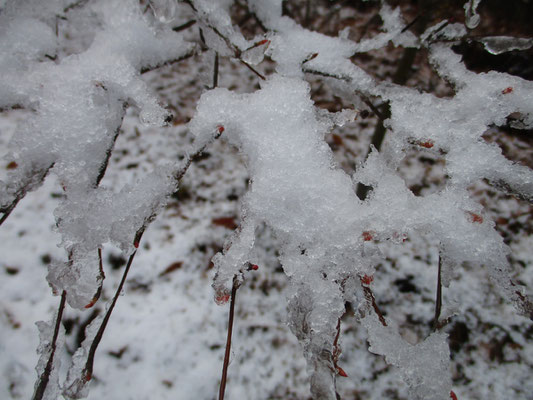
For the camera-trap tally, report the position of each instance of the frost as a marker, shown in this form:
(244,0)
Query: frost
(425,367)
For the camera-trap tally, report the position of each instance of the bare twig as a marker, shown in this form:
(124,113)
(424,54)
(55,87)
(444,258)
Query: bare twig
(88,370)
(76,4)
(184,26)
(410,24)
(189,54)
(252,69)
(215,71)
(45,376)
(438,300)
(228,340)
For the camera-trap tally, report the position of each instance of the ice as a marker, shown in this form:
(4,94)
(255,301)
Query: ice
(217,27)
(425,367)
(45,349)
(392,26)
(80,278)
(501,44)
(164,10)
(76,385)
(472,18)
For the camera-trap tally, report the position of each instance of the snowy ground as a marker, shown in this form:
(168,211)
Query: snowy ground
(166,337)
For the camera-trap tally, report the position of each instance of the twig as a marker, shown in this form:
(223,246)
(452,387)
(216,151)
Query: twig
(88,370)
(109,151)
(184,26)
(438,300)
(189,54)
(370,298)
(79,3)
(228,340)
(252,69)
(22,192)
(327,74)
(45,376)
(215,71)
(410,24)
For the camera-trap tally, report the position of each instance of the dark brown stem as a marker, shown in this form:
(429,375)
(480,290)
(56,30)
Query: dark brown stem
(215,71)
(98,337)
(253,69)
(184,26)
(189,54)
(45,376)
(228,340)
(438,300)
(9,209)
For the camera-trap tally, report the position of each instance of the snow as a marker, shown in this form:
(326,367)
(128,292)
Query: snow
(321,250)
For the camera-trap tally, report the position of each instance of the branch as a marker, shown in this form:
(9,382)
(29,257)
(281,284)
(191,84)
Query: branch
(88,370)
(372,300)
(45,376)
(228,339)
(188,54)
(438,300)
(22,192)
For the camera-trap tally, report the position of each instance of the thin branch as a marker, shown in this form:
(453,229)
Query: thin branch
(88,370)
(184,26)
(228,340)
(22,192)
(76,4)
(410,24)
(45,376)
(190,158)
(187,55)
(438,300)
(109,151)
(327,74)
(9,209)
(215,71)
(372,300)
(252,69)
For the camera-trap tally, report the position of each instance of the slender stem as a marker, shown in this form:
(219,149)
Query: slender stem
(184,26)
(6,211)
(372,300)
(252,69)
(228,341)
(45,376)
(94,345)
(215,71)
(438,300)
(188,54)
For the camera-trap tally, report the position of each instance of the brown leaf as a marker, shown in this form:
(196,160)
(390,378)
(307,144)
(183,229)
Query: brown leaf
(226,222)
(171,268)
